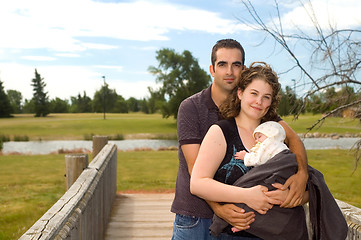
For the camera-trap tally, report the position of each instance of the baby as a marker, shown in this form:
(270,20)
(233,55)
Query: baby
(269,138)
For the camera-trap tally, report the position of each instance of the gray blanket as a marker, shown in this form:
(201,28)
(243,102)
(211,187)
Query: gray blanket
(289,223)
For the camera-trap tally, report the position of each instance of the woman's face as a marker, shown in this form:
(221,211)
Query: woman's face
(256,99)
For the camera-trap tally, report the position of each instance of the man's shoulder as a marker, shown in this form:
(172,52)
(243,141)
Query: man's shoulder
(197,98)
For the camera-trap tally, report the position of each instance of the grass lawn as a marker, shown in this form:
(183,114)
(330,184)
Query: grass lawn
(31,184)
(79,126)
(331,124)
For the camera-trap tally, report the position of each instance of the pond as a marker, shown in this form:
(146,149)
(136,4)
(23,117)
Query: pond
(47,147)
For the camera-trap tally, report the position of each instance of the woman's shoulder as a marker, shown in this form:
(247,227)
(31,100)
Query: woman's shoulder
(226,123)
(228,127)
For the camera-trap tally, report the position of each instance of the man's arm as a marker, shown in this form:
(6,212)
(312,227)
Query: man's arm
(190,152)
(297,182)
(229,212)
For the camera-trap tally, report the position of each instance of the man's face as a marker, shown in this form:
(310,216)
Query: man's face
(227,68)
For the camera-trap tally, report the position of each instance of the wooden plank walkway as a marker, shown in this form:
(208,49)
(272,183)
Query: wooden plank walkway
(141,216)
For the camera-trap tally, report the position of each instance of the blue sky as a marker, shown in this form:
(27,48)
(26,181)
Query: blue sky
(73,44)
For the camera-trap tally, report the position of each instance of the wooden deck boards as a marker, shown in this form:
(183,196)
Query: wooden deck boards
(141,216)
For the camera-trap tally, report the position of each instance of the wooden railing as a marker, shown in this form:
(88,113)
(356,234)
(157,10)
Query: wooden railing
(353,217)
(83,211)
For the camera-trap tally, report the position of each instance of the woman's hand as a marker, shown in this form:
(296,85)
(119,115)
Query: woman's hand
(279,194)
(258,200)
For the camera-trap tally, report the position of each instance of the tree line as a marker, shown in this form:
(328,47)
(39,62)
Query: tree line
(11,101)
(180,76)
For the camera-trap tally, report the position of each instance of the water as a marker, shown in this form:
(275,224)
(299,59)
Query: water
(328,143)
(47,147)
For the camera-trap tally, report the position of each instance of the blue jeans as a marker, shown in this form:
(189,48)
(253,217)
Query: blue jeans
(191,228)
(195,228)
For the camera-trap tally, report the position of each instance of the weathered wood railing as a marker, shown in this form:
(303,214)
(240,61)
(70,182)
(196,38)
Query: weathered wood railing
(83,211)
(353,217)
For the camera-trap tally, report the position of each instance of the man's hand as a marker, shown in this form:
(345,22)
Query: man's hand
(297,185)
(278,194)
(234,215)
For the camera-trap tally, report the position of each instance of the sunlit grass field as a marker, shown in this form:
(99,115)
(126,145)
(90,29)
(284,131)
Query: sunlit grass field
(31,184)
(330,125)
(77,126)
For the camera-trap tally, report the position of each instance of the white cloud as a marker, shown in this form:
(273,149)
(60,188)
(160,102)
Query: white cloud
(61,81)
(340,14)
(117,68)
(136,89)
(38,58)
(98,46)
(60,24)
(66,81)
(69,55)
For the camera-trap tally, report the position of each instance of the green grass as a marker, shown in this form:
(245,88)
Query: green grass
(31,184)
(331,124)
(338,168)
(147,171)
(76,126)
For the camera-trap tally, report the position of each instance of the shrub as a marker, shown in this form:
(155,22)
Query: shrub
(23,138)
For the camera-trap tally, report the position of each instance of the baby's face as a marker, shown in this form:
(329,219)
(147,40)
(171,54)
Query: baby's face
(260,137)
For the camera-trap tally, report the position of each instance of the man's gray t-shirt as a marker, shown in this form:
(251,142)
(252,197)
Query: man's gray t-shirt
(195,115)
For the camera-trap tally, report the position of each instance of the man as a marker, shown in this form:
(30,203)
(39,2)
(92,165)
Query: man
(196,114)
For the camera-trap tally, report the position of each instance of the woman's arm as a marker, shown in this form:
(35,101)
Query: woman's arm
(210,156)
(229,212)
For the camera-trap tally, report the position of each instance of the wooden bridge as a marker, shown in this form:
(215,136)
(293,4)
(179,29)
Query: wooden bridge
(141,216)
(91,209)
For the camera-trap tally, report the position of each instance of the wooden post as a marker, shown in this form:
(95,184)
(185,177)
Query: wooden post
(98,143)
(74,166)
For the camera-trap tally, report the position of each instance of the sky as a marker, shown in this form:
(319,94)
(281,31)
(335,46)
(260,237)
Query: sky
(73,44)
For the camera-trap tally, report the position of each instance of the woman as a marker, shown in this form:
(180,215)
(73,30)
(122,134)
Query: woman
(252,102)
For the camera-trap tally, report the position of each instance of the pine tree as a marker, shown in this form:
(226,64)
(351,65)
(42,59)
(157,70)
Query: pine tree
(5,107)
(40,98)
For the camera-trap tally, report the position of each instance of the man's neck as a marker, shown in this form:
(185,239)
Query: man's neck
(218,95)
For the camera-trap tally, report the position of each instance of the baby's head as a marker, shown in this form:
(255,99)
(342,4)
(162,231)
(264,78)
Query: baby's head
(259,137)
(271,130)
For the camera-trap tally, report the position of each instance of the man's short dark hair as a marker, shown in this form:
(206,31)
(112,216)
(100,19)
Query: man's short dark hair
(226,43)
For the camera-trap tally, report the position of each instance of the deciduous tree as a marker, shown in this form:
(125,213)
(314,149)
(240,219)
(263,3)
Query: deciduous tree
(180,77)
(15,98)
